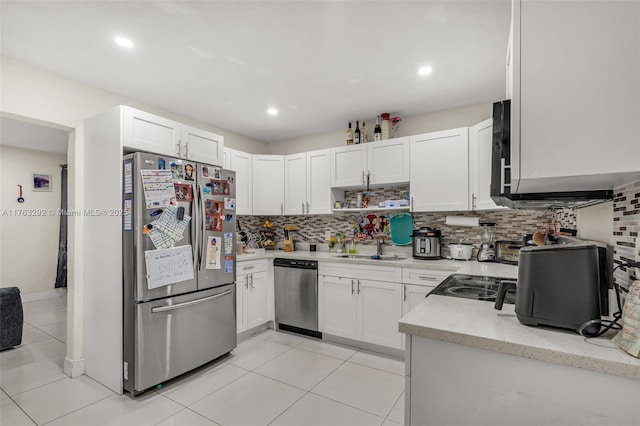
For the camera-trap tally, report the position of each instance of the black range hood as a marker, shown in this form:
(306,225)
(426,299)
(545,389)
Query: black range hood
(501,174)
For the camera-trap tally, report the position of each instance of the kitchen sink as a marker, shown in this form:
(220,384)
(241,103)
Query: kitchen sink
(370,257)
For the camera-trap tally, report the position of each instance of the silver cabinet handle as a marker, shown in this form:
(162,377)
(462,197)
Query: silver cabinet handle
(246,281)
(427,278)
(281,208)
(252,286)
(358,286)
(352,287)
(503,172)
(246,268)
(190,303)
(368,177)
(302,208)
(363,177)
(307,208)
(186,150)
(405,293)
(473,201)
(179,148)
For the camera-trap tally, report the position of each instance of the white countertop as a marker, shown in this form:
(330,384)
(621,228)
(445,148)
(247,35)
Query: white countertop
(477,324)
(471,267)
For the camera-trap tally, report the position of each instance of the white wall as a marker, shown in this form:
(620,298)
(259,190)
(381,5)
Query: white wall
(414,125)
(29,244)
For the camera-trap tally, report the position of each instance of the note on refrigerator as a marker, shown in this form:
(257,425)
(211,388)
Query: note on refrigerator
(168,266)
(168,230)
(158,188)
(213,253)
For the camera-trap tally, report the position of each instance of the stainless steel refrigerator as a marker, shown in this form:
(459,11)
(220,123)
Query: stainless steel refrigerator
(179,267)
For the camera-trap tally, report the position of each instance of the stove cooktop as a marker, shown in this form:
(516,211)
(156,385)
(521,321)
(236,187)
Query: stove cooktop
(473,287)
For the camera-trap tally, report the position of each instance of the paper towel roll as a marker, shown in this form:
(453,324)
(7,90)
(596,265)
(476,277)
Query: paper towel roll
(462,221)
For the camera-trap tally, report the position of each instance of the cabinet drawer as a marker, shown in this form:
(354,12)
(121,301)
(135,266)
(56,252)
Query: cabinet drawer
(251,266)
(428,277)
(365,272)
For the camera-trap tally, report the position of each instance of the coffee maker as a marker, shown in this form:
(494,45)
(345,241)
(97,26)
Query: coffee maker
(486,252)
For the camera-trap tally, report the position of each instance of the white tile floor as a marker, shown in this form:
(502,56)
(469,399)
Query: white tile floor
(271,379)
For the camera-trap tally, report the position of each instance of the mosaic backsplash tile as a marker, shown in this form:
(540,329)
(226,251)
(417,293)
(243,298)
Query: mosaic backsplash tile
(626,225)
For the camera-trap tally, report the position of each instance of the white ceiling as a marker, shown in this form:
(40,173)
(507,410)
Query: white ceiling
(32,136)
(322,63)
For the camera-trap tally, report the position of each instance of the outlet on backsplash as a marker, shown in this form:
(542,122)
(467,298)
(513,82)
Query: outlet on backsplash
(327,235)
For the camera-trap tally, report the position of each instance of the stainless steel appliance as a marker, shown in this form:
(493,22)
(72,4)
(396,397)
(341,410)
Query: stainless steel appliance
(179,267)
(486,252)
(507,251)
(472,287)
(504,193)
(296,296)
(560,285)
(426,243)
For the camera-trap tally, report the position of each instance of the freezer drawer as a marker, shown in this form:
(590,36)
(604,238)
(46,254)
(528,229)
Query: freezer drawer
(178,334)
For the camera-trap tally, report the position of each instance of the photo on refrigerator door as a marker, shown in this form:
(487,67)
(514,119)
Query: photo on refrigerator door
(177,171)
(213,207)
(213,253)
(219,186)
(183,192)
(213,223)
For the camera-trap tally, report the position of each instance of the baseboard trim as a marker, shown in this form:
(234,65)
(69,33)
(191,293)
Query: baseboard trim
(73,367)
(42,295)
(392,352)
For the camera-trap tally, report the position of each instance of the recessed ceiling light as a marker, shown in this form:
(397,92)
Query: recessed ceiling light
(123,42)
(425,70)
(272,111)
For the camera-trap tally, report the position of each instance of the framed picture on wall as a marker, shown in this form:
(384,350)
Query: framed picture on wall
(41,182)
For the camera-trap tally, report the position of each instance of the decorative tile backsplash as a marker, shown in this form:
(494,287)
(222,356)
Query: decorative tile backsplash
(626,225)
(510,224)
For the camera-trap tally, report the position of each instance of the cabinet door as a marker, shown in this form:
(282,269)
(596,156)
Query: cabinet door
(348,166)
(257,299)
(148,132)
(379,310)
(440,170)
(241,163)
(268,185)
(337,306)
(480,140)
(242,283)
(202,146)
(295,184)
(413,295)
(319,182)
(388,161)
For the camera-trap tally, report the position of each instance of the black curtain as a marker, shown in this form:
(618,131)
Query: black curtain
(61,275)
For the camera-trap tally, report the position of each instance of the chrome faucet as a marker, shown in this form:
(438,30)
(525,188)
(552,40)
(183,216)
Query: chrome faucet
(380,242)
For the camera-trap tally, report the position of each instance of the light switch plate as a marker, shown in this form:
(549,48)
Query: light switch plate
(327,235)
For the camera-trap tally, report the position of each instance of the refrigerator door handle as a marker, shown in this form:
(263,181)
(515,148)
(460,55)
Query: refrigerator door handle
(194,228)
(190,303)
(201,238)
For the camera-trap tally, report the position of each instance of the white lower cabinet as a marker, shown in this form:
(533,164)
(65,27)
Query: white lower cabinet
(251,294)
(361,309)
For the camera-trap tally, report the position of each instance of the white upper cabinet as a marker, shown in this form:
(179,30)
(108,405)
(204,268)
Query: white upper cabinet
(439,170)
(307,188)
(480,147)
(242,164)
(319,182)
(295,184)
(575,96)
(388,161)
(148,132)
(144,131)
(348,166)
(382,162)
(204,147)
(268,185)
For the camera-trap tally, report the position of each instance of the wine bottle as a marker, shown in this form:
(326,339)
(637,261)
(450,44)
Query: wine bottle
(356,135)
(377,131)
(349,135)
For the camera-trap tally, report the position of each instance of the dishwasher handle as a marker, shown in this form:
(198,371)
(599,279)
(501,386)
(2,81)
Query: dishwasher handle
(299,264)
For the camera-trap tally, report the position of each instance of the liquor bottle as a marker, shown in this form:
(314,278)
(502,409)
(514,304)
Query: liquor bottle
(349,135)
(377,131)
(356,135)
(363,134)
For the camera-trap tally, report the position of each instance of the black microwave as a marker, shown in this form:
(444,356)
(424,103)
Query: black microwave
(502,192)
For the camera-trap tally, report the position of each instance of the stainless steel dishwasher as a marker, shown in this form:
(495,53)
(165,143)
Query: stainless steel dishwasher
(296,296)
